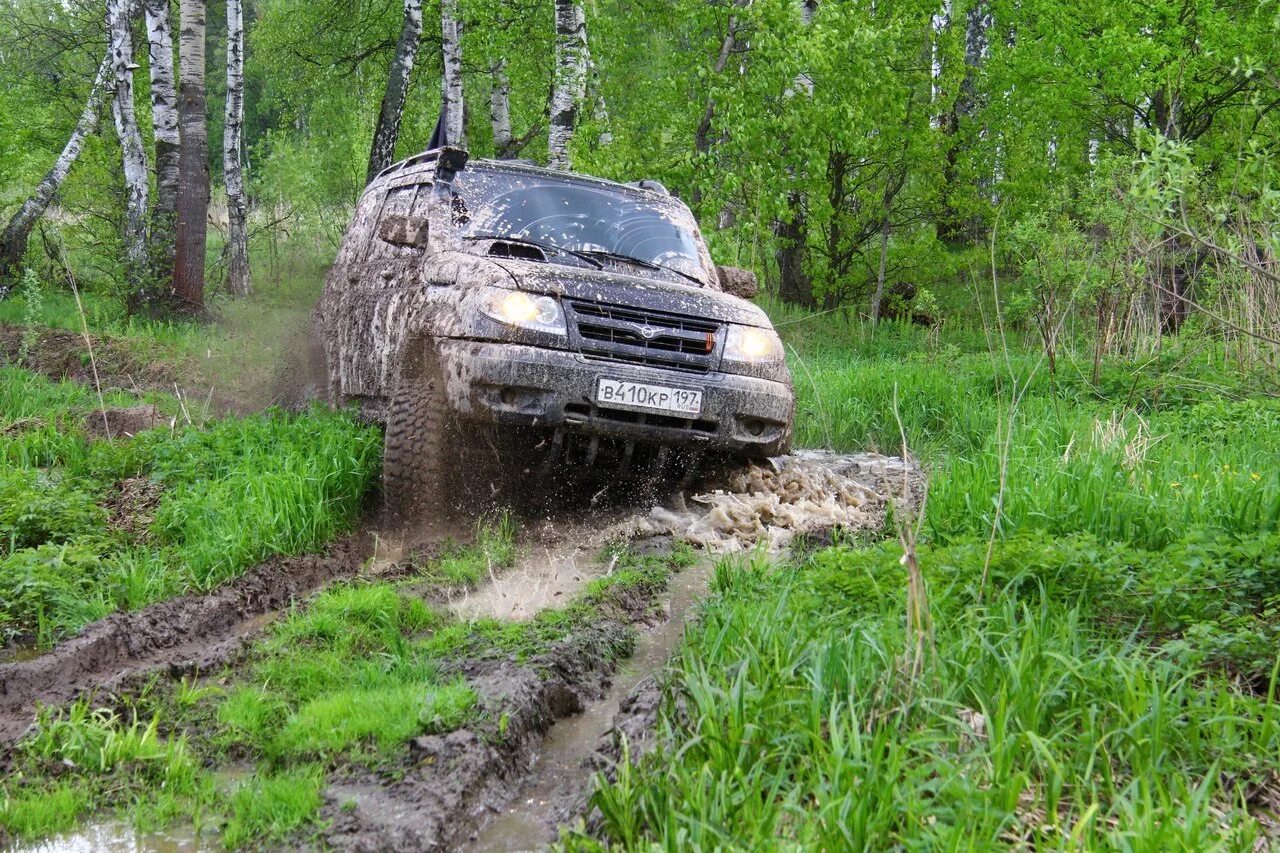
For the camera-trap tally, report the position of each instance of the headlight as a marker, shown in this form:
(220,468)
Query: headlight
(527,311)
(752,345)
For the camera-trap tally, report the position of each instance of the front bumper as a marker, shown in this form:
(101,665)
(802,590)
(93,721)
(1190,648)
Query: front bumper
(517,385)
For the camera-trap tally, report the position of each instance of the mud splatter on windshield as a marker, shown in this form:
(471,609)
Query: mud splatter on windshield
(575,216)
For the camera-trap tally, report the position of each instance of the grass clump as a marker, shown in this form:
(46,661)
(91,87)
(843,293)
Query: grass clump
(270,808)
(109,758)
(229,494)
(1035,720)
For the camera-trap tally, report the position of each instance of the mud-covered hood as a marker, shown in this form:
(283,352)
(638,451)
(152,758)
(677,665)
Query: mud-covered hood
(615,288)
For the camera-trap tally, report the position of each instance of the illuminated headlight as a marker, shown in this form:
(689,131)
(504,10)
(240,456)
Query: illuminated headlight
(527,311)
(752,345)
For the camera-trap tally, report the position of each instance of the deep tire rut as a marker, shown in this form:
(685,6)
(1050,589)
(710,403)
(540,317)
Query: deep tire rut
(181,635)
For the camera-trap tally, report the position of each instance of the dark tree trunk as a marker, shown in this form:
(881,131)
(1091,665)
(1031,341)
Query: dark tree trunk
(385,134)
(193,162)
(794,284)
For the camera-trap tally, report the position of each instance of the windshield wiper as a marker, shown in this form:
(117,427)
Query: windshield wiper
(546,247)
(640,262)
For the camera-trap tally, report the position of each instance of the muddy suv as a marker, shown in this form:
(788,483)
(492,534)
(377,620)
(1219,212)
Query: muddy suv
(502,318)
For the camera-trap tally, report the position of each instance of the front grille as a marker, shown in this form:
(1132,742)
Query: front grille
(618,333)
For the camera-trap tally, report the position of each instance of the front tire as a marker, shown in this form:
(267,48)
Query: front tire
(431,466)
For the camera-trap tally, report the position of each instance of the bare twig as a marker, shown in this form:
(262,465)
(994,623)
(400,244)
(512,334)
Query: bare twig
(88,342)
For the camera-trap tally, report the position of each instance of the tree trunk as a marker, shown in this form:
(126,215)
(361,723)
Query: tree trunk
(13,243)
(164,116)
(795,285)
(570,86)
(193,161)
(382,152)
(133,155)
(232,156)
(877,299)
(455,127)
(500,108)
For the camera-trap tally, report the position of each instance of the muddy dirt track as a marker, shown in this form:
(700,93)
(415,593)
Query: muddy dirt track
(176,637)
(548,722)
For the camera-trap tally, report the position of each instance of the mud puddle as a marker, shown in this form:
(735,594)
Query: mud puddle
(119,836)
(562,771)
(558,557)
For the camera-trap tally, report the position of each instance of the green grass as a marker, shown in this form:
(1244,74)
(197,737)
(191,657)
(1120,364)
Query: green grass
(1102,667)
(230,493)
(270,808)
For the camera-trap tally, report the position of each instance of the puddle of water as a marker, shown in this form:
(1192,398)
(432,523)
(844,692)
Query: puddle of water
(116,836)
(560,769)
(20,652)
(559,560)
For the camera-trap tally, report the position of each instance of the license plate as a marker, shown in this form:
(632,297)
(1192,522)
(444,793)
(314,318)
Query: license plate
(640,396)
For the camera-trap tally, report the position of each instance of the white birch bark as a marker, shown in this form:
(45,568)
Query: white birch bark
(164,116)
(232,155)
(13,243)
(193,162)
(136,182)
(451,45)
(570,80)
(387,131)
(500,108)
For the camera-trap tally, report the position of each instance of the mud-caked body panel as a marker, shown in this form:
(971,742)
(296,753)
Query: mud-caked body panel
(397,309)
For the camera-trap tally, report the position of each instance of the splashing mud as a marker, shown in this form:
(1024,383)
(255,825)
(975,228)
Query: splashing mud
(770,503)
(806,492)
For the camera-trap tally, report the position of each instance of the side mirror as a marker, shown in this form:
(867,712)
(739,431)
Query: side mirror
(738,282)
(400,230)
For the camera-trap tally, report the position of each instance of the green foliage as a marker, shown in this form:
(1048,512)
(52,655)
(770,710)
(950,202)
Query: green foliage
(270,808)
(230,494)
(789,691)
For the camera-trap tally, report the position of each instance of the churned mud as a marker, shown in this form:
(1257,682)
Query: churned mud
(181,635)
(548,724)
(559,782)
(445,787)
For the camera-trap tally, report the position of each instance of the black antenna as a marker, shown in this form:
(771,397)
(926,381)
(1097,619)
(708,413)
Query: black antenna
(438,139)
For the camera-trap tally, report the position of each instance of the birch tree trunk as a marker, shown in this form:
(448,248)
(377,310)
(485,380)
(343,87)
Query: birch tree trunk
(385,133)
(232,155)
(193,161)
(164,115)
(13,243)
(136,182)
(570,86)
(500,108)
(455,127)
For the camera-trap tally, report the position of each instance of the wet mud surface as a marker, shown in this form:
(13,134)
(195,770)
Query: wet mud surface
(448,785)
(554,721)
(62,354)
(175,637)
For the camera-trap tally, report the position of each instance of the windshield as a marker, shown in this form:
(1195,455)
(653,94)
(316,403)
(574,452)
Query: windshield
(579,217)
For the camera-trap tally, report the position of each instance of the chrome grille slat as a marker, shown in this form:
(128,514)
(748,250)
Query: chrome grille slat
(612,333)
